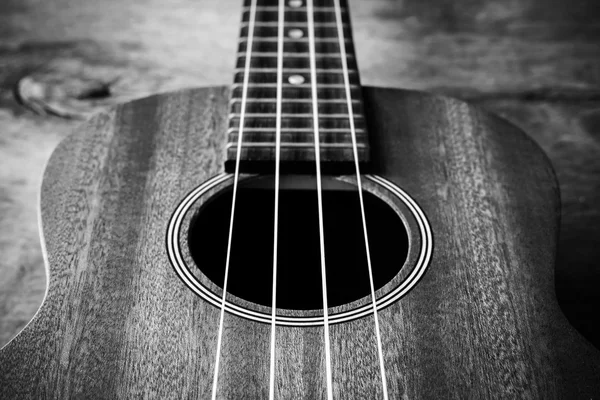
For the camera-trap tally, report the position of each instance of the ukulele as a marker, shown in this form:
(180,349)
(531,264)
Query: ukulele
(297,235)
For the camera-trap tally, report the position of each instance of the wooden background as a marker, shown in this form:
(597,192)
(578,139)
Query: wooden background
(535,62)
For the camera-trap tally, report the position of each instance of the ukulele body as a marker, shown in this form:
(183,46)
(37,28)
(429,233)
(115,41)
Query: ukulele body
(117,322)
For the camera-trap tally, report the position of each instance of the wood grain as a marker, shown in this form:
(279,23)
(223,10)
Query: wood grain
(118,323)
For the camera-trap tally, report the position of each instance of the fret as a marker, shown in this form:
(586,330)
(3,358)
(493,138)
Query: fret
(290,40)
(324,78)
(291,24)
(300,130)
(295,62)
(290,107)
(261,135)
(292,70)
(294,86)
(324,123)
(297,122)
(288,55)
(302,8)
(269,106)
(275,3)
(309,145)
(290,46)
(271,32)
(292,115)
(295,15)
(291,101)
(294,92)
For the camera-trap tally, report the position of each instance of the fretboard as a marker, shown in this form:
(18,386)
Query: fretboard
(292,82)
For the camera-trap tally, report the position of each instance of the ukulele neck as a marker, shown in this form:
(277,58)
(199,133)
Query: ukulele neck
(296,79)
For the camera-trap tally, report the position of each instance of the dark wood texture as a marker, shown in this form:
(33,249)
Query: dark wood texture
(117,322)
(297,116)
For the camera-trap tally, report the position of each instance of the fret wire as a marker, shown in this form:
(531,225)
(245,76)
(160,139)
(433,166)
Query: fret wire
(297,23)
(273,3)
(296,93)
(270,31)
(292,24)
(262,36)
(290,47)
(272,7)
(300,70)
(292,13)
(272,100)
(267,78)
(326,130)
(297,108)
(307,140)
(295,115)
(292,137)
(288,40)
(290,86)
(287,8)
(294,62)
(294,123)
(296,55)
(310,145)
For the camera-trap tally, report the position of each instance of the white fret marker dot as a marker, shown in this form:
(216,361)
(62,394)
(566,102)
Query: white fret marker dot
(296,79)
(295,3)
(295,33)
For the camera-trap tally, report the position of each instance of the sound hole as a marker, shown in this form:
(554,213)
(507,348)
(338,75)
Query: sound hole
(299,259)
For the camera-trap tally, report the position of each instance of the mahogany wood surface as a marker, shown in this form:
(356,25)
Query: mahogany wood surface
(118,323)
(534,62)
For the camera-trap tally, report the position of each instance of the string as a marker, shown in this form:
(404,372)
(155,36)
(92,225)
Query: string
(340,29)
(235,187)
(313,80)
(281,14)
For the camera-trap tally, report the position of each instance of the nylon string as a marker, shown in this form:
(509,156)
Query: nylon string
(340,29)
(235,187)
(281,15)
(315,104)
